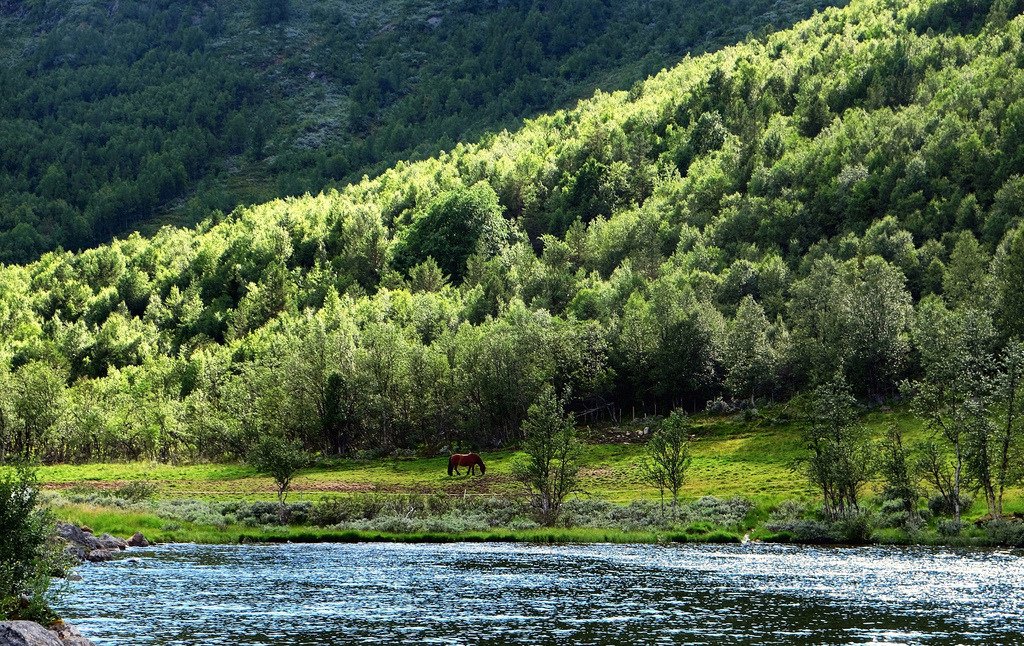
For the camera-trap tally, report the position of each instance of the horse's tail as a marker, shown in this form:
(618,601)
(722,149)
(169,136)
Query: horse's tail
(483,467)
(451,465)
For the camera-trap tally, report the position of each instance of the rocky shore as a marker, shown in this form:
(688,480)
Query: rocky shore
(83,545)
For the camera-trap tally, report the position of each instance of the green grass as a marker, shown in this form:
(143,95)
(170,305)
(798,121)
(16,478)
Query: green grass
(755,460)
(730,458)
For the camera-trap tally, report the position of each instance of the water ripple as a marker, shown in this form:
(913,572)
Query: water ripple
(589,594)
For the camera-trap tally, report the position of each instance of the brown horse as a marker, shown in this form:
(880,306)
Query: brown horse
(470,460)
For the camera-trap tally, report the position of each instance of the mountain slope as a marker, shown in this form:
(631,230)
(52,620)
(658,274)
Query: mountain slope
(745,225)
(115,113)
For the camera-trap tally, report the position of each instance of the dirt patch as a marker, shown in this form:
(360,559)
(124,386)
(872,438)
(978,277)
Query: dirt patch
(105,485)
(597,472)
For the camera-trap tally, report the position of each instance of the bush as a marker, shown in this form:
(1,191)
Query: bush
(135,491)
(802,531)
(949,528)
(28,553)
(729,512)
(788,510)
(939,506)
(853,530)
(1006,533)
(719,406)
(894,514)
(789,521)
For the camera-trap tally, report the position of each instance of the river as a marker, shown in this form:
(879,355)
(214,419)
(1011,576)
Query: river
(585,594)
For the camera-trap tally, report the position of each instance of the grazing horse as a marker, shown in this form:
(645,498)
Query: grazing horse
(470,460)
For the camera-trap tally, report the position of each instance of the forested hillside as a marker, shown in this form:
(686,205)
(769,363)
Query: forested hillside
(119,115)
(838,203)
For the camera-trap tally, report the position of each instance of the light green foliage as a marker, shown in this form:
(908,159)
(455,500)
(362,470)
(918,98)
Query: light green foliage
(550,467)
(849,176)
(668,455)
(183,111)
(281,459)
(750,359)
(455,225)
(840,463)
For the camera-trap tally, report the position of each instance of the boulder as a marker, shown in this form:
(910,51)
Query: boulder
(108,542)
(138,540)
(29,633)
(85,546)
(96,556)
(26,633)
(76,552)
(74,535)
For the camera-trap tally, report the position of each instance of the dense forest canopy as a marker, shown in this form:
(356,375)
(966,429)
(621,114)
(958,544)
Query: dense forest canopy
(835,203)
(117,115)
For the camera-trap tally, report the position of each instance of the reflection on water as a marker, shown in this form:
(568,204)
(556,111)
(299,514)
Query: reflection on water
(590,594)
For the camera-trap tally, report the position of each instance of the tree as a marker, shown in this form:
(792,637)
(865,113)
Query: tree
(750,360)
(271,12)
(895,467)
(1009,276)
(281,459)
(822,320)
(551,464)
(28,554)
(1007,423)
(668,455)
(954,346)
(454,226)
(38,403)
(967,281)
(882,312)
(840,463)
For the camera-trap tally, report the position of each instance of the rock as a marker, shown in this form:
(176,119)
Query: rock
(26,633)
(74,534)
(69,635)
(138,540)
(109,542)
(29,633)
(84,546)
(96,556)
(76,551)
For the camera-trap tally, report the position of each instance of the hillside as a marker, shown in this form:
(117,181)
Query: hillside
(835,203)
(117,116)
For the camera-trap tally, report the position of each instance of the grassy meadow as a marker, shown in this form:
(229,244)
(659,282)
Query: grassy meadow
(756,461)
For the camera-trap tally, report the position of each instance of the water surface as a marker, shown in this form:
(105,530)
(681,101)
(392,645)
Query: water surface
(587,594)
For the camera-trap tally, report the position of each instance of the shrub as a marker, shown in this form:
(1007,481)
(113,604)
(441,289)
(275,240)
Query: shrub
(718,511)
(1002,532)
(135,491)
(949,527)
(788,510)
(28,553)
(939,505)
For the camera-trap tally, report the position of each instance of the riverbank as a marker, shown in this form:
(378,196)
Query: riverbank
(743,482)
(158,530)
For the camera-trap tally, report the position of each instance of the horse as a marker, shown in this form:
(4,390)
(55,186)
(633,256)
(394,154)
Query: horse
(470,460)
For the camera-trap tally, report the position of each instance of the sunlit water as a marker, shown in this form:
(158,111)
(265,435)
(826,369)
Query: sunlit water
(589,594)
